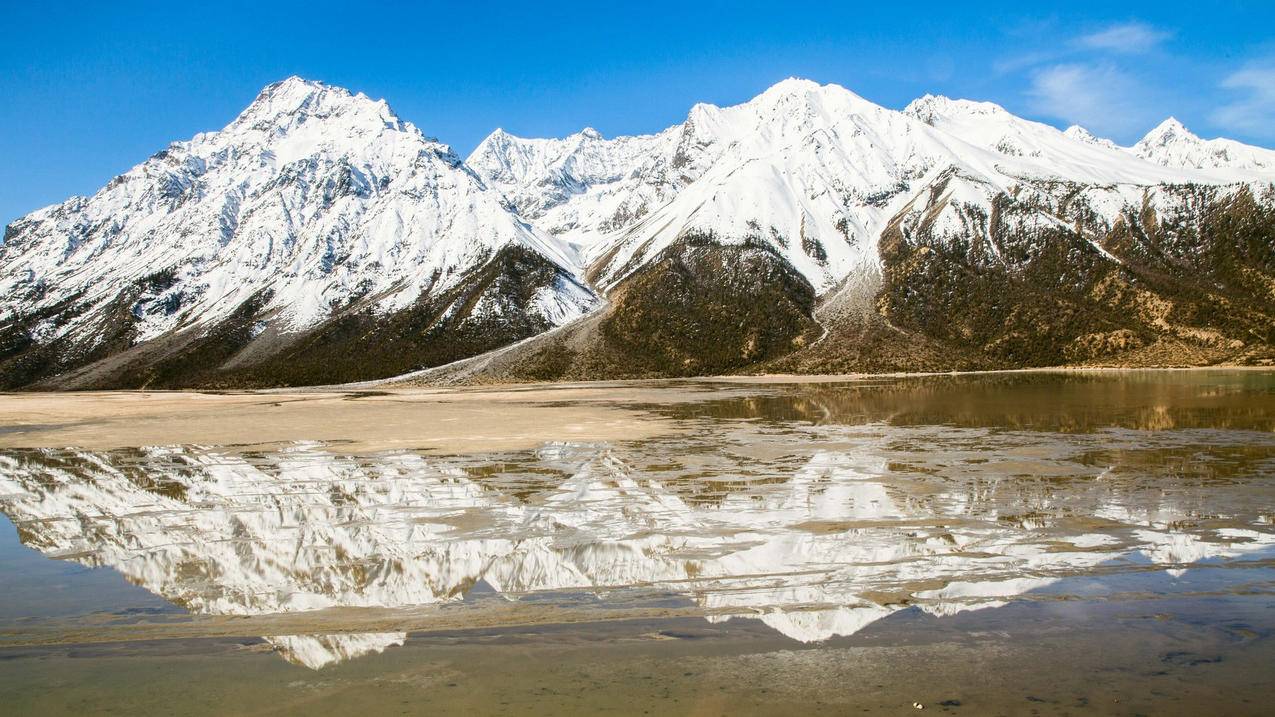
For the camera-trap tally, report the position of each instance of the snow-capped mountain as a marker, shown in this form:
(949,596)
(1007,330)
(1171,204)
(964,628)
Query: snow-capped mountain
(1080,134)
(319,238)
(1172,145)
(583,185)
(1042,151)
(1169,145)
(814,171)
(312,202)
(815,178)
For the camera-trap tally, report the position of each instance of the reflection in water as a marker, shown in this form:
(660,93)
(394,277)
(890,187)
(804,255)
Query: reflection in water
(319,651)
(1072,402)
(817,530)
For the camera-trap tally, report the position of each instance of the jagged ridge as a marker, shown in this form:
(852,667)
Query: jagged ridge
(320,238)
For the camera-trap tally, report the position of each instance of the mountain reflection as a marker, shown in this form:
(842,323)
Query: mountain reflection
(817,532)
(319,651)
(1070,402)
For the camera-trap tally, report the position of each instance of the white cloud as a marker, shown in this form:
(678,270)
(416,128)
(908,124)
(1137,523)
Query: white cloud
(1015,63)
(1254,111)
(1098,96)
(1129,37)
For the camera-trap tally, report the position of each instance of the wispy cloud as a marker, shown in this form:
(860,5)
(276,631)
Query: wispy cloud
(1253,112)
(1128,38)
(1100,79)
(1023,61)
(1098,96)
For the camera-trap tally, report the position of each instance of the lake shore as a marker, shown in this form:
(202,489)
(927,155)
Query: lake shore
(997,543)
(387,416)
(450,421)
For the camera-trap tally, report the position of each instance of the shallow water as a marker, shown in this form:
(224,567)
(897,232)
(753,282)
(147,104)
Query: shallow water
(1016,543)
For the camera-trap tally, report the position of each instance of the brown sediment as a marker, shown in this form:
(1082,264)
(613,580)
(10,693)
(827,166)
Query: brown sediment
(106,627)
(1110,659)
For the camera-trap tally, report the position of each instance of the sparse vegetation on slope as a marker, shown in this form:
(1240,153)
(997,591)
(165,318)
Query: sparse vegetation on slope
(1200,277)
(700,308)
(492,308)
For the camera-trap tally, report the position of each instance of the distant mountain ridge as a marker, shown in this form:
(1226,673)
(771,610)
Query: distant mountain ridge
(318,238)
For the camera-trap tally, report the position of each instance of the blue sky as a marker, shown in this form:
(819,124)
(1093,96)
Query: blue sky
(89,89)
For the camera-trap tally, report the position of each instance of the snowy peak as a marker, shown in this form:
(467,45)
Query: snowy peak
(317,203)
(816,170)
(793,86)
(1080,134)
(1075,154)
(990,126)
(293,102)
(934,109)
(1171,144)
(791,109)
(506,158)
(625,175)
(314,200)
(1170,131)
(293,95)
(581,184)
(785,93)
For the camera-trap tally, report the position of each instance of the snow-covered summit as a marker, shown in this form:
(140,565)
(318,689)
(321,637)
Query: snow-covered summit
(1171,144)
(813,170)
(1168,132)
(581,184)
(296,100)
(932,109)
(1074,154)
(309,200)
(316,202)
(1080,134)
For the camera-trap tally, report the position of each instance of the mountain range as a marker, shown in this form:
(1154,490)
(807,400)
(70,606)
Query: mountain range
(318,238)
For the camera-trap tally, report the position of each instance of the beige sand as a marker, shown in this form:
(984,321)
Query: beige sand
(445,420)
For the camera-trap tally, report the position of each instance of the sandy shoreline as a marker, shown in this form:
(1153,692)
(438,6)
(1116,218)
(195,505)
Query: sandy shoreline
(451,422)
(463,419)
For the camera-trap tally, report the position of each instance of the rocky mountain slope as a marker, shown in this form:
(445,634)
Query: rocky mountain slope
(318,238)
(949,235)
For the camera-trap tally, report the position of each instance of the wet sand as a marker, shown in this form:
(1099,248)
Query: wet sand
(1079,659)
